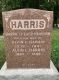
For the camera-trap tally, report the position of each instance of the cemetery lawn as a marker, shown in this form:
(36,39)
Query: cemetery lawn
(55,48)
(2,51)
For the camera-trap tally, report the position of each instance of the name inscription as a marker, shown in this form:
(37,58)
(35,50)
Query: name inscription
(28,24)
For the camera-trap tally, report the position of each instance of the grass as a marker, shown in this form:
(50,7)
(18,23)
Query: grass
(55,48)
(2,51)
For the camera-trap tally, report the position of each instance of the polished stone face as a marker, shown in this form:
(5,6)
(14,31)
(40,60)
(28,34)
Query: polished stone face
(27,35)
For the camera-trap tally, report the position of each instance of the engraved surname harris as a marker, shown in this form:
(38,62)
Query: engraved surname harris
(28,24)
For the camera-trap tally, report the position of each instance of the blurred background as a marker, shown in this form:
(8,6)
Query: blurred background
(51,5)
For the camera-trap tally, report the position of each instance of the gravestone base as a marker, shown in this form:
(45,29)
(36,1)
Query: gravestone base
(29,74)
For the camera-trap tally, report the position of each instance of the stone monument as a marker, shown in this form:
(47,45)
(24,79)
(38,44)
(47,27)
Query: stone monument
(27,35)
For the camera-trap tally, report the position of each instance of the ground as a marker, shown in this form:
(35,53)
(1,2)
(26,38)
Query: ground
(2,51)
(55,48)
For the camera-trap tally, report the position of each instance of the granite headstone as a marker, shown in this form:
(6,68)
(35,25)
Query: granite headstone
(27,35)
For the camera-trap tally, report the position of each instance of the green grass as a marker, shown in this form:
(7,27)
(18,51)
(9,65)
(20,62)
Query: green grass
(55,48)
(2,51)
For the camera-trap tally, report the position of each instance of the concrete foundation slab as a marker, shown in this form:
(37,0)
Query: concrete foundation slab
(29,74)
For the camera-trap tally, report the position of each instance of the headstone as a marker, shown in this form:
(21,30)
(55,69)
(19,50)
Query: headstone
(27,35)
